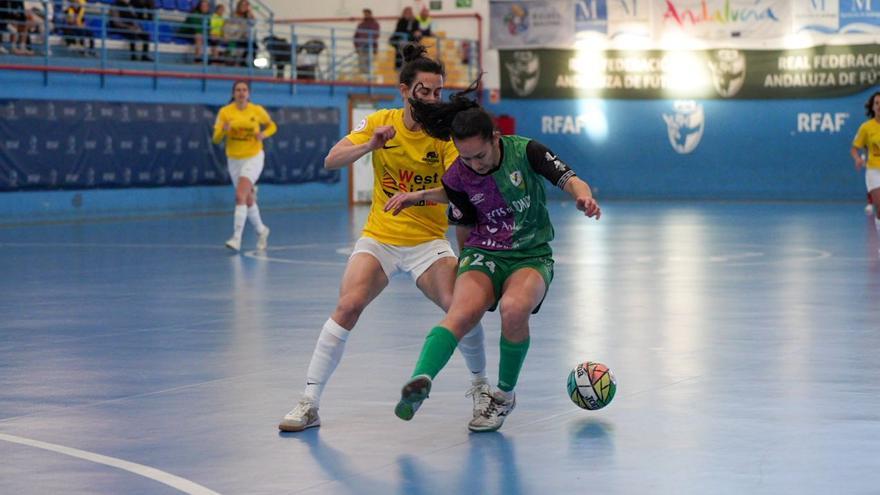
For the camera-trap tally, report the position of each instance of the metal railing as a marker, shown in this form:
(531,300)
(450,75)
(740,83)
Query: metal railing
(126,38)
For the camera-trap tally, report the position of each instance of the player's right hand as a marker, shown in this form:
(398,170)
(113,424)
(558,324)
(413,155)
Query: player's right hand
(381,135)
(860,163)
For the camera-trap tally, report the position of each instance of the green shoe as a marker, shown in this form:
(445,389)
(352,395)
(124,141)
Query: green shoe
(411,396)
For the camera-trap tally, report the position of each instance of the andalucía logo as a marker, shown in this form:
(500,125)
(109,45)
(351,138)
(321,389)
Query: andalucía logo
(694,13)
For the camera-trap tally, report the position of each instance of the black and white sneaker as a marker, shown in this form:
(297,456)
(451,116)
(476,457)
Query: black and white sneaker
(494,415)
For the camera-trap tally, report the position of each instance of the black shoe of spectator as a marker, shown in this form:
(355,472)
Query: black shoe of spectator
(146,58)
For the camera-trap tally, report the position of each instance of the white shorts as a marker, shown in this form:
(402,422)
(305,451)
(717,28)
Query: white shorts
(872,178)
(414,260)
(246,167)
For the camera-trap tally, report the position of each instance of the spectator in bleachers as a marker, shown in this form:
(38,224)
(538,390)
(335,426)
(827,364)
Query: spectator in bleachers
(12,15)
(74,30)
(35,18)
(404,32)
(217,22)
(124,21)
(425,22)
(197,27)
(366,39)
(237,33)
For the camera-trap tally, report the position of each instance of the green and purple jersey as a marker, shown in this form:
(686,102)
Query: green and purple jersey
(507,207)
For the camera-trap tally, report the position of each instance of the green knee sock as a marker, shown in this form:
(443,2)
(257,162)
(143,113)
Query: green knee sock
(512,356)
(439,346)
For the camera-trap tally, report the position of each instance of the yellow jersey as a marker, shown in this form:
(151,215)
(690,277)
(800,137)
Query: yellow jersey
(410,161)
(868,137)
(241,139)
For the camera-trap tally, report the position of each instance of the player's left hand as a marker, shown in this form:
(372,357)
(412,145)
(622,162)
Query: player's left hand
(261,136)
(400,201)
(589,206)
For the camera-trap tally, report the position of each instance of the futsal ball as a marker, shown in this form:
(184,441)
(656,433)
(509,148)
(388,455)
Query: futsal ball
(591,385)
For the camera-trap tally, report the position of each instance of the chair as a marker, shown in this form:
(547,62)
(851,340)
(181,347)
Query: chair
(308,59)
(279,51)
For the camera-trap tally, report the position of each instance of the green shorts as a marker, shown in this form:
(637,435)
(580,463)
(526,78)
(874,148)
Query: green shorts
(500,265)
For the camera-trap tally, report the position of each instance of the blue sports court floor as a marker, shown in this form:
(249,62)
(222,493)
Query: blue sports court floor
(141,357)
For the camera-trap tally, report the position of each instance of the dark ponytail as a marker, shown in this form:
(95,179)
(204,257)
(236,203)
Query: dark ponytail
(415,60)
(459,118)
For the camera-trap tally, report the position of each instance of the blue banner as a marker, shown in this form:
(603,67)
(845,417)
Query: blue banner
(703,149)
(591,15)
(46,144)
(860,16)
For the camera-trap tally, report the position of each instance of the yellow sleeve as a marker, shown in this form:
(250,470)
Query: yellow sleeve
(450,153)
(364,130)
(219,133)
(860,140)
(266,120)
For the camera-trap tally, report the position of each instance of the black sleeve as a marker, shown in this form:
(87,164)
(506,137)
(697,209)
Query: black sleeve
(460,211)
(546,163)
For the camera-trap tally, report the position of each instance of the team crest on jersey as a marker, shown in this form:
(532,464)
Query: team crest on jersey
(516,179)
(431,158)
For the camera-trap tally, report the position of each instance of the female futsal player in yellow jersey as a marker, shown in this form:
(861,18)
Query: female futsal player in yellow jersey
(414,242)
(868,137)
(244,125)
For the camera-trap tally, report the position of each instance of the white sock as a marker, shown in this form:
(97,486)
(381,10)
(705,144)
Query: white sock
(877,225)
(473,348)
(239,219)
(253,215)
(325,358)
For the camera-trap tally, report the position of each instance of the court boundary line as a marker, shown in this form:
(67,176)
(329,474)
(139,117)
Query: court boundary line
(181,484)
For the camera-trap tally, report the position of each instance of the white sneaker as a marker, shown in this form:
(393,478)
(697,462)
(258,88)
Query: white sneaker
(263,239)
(494,416)
(234,244)
(304,415)
(482,395)
(413,393)
(869,209)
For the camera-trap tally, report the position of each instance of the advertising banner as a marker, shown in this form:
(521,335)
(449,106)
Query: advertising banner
(723,19)
(817,72)
(47,144)
(547,23)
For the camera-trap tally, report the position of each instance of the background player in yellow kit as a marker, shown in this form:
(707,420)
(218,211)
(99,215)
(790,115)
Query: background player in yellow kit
(244,125)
